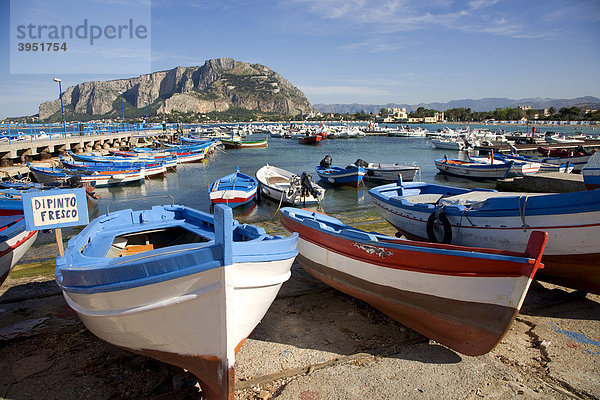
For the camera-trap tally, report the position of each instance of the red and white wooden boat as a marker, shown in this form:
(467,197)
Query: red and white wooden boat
(465,298)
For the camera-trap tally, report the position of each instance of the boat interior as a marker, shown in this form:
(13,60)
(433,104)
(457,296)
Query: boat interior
(139,242)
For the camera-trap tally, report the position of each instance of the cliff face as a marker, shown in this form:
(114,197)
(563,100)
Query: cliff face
(216,86)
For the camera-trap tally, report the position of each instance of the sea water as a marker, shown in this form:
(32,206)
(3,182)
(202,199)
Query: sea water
(189,185)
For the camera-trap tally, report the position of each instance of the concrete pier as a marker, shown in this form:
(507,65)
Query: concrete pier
(549,182)
(19,151)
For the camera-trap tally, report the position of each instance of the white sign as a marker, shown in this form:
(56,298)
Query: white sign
(55,209)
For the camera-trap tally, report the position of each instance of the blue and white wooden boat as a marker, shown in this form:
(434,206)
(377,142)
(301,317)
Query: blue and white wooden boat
(52,174)
(167,159)
(591,173)
(465,298)
(176,284)
(352,175)
(472,169)
(15,240)
(378,172)
(234,189)
(565,167)
(149,168)
(502,220)
(519,167)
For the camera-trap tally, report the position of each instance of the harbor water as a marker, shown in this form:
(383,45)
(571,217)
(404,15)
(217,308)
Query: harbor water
(189,185)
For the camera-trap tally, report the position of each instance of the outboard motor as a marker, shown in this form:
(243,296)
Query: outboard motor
(307,186)
(361,163)
(74,181)
(326,162)
(295,188)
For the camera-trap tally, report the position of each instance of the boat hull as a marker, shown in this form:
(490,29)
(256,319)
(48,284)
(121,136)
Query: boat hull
(341,177)
(176,284)
(385,173)
(473,170)
(431,293)
(175,321)
(274,183)
(232,198)
(13,249)
(571,258)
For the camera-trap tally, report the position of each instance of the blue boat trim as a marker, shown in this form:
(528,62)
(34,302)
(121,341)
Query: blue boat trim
(86,268)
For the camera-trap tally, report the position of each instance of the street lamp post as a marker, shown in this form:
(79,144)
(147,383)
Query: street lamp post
(62,107)
(146,111)
(122,112)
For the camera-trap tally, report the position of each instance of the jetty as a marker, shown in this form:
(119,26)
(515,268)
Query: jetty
(49,140)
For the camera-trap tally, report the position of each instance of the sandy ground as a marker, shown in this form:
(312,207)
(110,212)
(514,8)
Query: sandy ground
(313,343)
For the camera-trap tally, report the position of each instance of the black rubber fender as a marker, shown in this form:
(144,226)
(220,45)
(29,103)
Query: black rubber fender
(370,172)
(439,219)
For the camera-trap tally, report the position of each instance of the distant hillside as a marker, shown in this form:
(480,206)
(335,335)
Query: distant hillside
(215,86)
(488,104)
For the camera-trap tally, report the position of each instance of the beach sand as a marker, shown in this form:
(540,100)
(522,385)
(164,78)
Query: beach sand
(313,343)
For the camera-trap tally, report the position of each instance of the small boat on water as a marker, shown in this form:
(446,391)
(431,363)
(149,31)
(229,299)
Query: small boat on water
(472,169)
(465,298)
(128,157)
(234,189)
(388,172)
(176,284)
(578,157)
(449,144)
(502,220)
(352,175)
(150,168)
(49,175)
(15,240)
(310,139)
(519,167)
(285,187)
(591,173)
(242,144)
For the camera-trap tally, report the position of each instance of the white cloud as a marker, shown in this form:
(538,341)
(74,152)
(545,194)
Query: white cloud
(385,17)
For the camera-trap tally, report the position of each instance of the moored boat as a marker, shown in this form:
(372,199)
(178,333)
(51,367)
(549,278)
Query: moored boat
(502,220)
(45,174)
(176,284)
(464,298)
(15,240)
(379,172)
(352,175)
(285,187)
(472,170)
(310,139)
(149,168)
(234,189)
(591,173)
(240,144)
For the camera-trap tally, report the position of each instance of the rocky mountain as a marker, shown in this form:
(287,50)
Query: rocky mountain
(487,104)
(215,86)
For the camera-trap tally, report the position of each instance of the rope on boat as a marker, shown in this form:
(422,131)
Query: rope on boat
(276,211)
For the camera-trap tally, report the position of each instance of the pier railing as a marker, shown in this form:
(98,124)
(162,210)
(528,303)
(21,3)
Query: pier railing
(10,133)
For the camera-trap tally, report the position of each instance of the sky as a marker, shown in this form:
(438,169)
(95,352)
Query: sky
(335,51)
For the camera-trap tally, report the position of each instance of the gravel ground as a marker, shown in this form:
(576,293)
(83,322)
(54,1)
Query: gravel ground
(314,343)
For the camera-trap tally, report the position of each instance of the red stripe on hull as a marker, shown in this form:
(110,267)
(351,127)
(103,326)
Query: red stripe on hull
(19,243)
(575,271)
(419,261)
